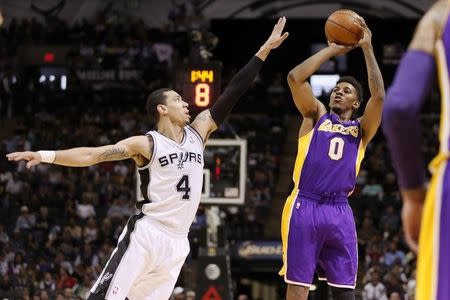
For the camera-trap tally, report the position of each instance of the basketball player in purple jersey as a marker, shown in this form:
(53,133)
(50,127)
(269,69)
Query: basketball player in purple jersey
(153,246)
(318,228)
(430,47)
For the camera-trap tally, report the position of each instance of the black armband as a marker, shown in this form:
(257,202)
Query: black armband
(235,89)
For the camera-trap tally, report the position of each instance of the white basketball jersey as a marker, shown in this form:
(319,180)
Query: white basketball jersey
(173,179)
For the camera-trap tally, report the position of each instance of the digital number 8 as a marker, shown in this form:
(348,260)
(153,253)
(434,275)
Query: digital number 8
(202,95)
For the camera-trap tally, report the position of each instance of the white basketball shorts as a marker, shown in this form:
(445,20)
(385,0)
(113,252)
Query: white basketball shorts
(144,265)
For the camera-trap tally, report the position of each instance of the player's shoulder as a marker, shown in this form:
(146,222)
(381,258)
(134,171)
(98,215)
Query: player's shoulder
(193,132)
(142,144)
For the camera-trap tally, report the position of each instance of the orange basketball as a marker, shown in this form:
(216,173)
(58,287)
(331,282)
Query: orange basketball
(341,29)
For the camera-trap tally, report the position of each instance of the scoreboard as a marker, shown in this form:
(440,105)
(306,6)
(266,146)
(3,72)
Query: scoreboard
(199,84)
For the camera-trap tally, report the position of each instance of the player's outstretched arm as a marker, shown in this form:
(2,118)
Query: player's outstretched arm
(371,119)
(208,121)
(136,147)
(301,91)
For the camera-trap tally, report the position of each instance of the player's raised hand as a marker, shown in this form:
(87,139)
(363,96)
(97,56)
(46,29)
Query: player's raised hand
(33,158)
(340,49)
(277,37)
(366,40)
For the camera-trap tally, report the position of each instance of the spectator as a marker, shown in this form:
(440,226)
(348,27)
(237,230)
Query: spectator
(18,264)
(178,293)
(190,295)
(4,268)
(119,209)
(64,280)
(390,219)
(4,238)
(43,295)
(393,254)
(394,284)
(90,231)
(374,290)
(26,220)
(48,283)
(373,189)
(42,224)
(85,209)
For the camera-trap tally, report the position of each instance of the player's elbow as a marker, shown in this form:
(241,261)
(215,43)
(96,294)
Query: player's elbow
(379,98)
(381,95)
(292,79)
(90,158)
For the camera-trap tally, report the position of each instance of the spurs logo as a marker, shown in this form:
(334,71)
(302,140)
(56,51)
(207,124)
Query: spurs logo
(106,277)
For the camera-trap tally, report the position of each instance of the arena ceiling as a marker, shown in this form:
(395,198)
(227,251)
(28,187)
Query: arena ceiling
(155,12)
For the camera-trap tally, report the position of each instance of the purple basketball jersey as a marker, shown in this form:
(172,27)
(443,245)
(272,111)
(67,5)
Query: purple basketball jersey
(317,224)
(334,155)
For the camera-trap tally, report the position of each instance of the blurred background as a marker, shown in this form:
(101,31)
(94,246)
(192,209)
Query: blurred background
(76,73)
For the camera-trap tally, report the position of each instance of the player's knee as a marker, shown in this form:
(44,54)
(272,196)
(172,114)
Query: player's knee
(297,292)
(343,293)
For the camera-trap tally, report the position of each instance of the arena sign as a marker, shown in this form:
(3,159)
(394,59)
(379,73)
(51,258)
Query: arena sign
(109,74)
(253,250)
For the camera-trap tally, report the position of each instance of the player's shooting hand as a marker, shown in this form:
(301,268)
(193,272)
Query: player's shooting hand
(412,215)
(366,40)
(276,38)
(33,158)
(340,49)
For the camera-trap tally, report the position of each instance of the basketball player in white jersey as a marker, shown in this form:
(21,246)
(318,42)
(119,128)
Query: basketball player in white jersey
(153,246)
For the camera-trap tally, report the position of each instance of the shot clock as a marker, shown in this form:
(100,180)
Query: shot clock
(199,84)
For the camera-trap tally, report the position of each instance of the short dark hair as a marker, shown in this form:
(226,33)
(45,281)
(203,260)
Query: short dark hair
(356,84)
(153,100)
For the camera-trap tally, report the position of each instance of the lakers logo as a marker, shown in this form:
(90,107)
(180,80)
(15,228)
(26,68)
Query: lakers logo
(328,126)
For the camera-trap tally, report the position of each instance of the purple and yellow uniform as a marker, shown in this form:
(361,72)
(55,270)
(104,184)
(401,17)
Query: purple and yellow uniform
(317,223)
(433,273)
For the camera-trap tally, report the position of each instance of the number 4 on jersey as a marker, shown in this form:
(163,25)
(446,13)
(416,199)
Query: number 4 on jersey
(183,187)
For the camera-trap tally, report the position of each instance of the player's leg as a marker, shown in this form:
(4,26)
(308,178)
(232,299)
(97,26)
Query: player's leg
(322,285)
(322,290)
(301,248)
(339,255)
(159,284)
(127,262)
(433,267)
(343,293)
(297,292)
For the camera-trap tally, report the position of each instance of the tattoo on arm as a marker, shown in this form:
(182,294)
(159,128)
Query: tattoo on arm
(204,124)
(376,84)
(205,116)
(115,153)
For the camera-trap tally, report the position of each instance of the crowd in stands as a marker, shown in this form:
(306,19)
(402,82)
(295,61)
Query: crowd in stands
(59,225)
